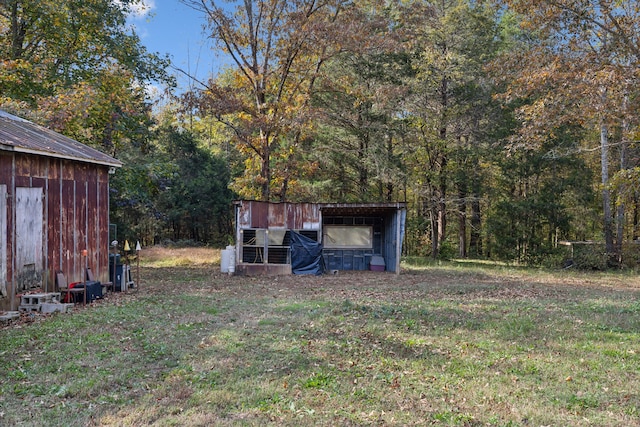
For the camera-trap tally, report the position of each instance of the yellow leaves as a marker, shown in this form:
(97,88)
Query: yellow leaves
(244,116)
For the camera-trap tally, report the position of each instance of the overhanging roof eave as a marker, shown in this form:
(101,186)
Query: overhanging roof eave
(17,149)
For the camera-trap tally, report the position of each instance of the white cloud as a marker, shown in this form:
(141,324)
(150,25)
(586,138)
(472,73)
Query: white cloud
(140,9)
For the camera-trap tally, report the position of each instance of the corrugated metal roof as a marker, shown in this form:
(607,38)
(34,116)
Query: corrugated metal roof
(23,136)
(304,216)
(360,208)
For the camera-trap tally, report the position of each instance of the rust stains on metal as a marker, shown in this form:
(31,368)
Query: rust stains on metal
(23,136)
(293,216)
(70,216)
(303,216)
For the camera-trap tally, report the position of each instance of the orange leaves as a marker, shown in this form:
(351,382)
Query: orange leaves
(278,48)
(576,69)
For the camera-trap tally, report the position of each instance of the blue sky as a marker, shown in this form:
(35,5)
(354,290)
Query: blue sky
(170,27)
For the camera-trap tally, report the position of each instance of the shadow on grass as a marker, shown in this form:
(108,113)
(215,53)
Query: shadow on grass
(195,347)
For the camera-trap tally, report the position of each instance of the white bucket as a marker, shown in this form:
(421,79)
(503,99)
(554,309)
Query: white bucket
(225,259)
(231,267)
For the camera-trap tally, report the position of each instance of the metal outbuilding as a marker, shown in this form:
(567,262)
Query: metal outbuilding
(54,209)
(353,236)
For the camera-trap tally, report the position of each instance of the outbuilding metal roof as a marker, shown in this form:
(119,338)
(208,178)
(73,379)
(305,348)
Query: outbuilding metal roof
(22,136)
(360,208)
(304,216)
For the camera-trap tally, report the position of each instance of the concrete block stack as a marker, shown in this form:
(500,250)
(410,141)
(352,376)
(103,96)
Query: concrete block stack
(43,303)
(8,316)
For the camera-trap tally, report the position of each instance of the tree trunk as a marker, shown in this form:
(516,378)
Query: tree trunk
(475,239)
(462,222)
(621,207)
(17,31)
(620,210)
(363,172)
(441,206)
(606,195)
(441,203)
(636,217)
(265,173)
(435,244)
(389,187)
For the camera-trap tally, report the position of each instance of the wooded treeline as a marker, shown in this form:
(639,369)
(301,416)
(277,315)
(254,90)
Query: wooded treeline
(506,126)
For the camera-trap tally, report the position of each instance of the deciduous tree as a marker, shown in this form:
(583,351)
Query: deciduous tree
(75,66)
(278,50)
(582,71)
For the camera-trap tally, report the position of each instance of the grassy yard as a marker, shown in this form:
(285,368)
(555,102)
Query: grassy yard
(448,345)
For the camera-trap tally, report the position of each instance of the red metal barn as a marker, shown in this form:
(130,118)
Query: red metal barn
(54,203)
(352,236)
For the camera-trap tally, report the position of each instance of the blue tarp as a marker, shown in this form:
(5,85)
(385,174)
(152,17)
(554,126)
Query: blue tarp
(306,255)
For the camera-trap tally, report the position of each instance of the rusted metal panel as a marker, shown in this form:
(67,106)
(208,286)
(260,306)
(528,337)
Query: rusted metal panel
(310,217)
(22,136)
(67,171)
(243,216)
(259,212)
(92,219)
(73,212)
(31,166)
(23,164)
(6,167)
(21,181)
(54,170)
(101,268)
(39,182)
(80,229)
(3,241)
(291,214)
(53,222)
(295,216)
(277,217)
(68,219)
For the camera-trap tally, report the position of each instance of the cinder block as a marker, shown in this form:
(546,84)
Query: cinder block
(54,307)
(29,308)
(35,299)
(9,316)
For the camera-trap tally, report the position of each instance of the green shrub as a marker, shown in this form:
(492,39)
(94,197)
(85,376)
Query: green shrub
(631,255)
(447,251)
(590,256)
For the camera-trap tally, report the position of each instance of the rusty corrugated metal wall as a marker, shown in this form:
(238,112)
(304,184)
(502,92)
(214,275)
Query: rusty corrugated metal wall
(74,214)
(292,216)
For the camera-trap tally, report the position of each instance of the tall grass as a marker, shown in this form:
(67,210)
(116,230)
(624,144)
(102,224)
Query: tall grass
(159,256)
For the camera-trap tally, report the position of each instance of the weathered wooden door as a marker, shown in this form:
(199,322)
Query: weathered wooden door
(29,238)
